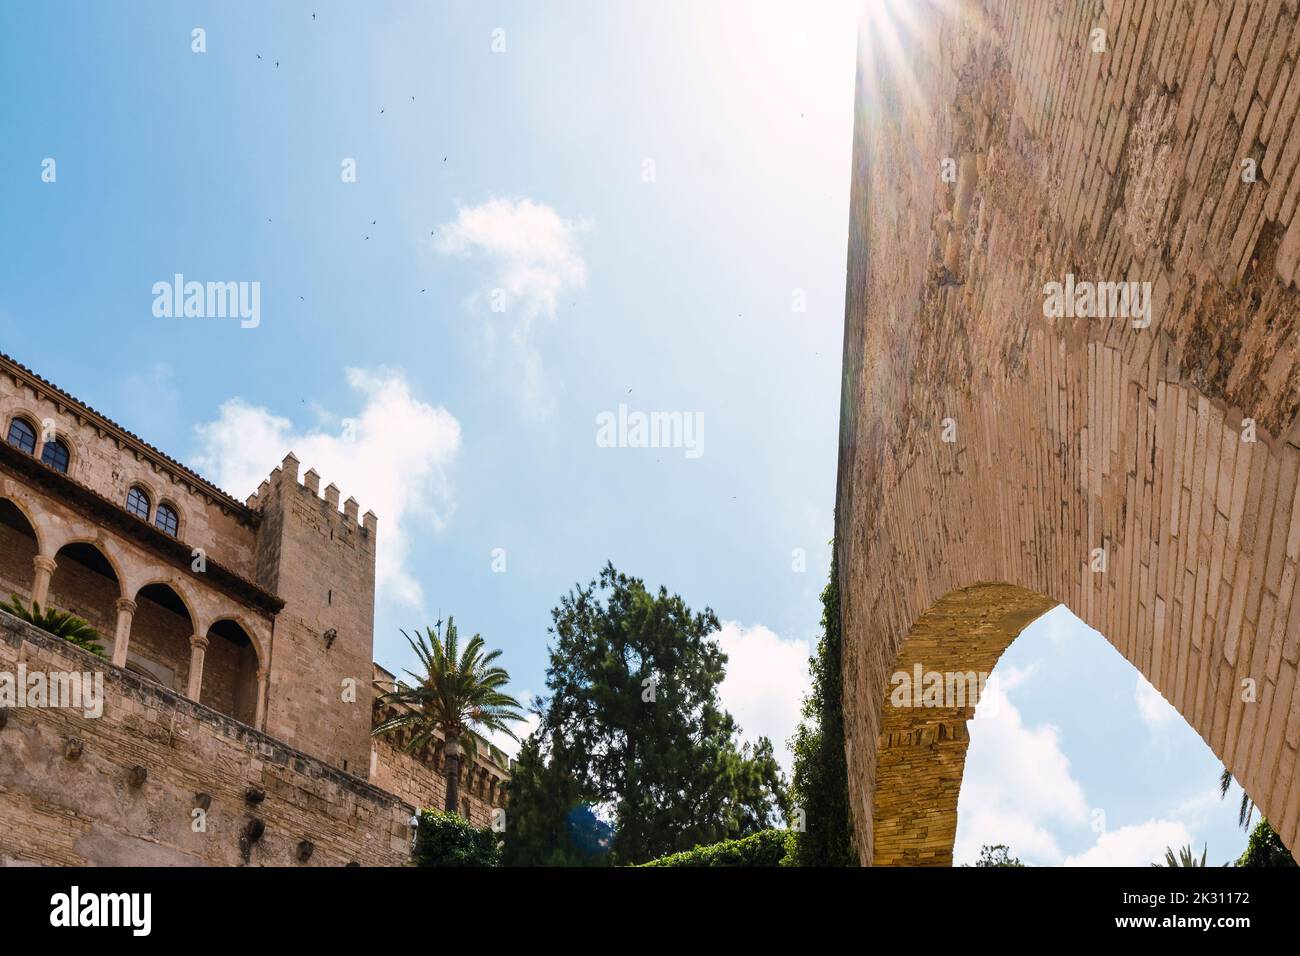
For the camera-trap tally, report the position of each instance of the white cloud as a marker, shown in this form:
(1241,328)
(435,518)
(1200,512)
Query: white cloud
(1017,781)
(1155,711)
(1018,790)
(534,251)
(1061,627)
(1139,845)
(534,259)
(766,681)
(391,457)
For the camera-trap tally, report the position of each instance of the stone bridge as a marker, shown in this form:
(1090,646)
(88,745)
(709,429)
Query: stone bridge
(1132,454)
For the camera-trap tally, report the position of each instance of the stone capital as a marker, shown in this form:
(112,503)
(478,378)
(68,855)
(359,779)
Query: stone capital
(43,562)
(199,642)
(127,605)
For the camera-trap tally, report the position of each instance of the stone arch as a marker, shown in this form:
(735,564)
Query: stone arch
(169,501)
(68,436)
(36,518)
(161,629)
(20,542)
(179,591)
(87,582)
(921,748)
(254,633)
(26,414)
(995,461)
(231,669)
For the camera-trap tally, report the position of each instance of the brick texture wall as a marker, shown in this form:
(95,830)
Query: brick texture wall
(57,811)
(1072,434)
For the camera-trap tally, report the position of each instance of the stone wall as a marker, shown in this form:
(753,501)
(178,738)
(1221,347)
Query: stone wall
(421,784)
(990,453)
(60,811)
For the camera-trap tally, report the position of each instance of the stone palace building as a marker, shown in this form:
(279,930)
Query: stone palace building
(241,685)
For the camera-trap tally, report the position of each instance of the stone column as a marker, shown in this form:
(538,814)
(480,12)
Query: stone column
(122,636)
(198,647)
(260,718)
(45,566)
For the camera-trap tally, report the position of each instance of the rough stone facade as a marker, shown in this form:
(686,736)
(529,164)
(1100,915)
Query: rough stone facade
(995,461)
(88,811)
(262,611)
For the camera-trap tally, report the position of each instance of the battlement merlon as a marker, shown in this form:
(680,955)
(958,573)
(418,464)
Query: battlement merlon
(286,475)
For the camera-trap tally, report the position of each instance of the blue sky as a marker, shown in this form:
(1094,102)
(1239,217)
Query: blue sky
(654,194)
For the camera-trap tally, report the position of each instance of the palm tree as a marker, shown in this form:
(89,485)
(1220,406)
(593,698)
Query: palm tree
(1247,804)
(457,696)
(59,623)
(1186,857)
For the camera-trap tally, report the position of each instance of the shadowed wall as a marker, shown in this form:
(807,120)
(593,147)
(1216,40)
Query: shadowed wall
(990,454)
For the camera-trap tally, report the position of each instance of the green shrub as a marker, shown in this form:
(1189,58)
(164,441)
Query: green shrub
(765,848)
(996,854)
(1266,848)
(448,839)
(59,623)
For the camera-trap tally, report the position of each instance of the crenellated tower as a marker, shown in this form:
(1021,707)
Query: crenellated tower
(321,561)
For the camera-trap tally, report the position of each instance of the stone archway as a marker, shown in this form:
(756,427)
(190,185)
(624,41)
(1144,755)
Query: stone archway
(231,670)
(86,583)
(922,749)
(996,460)
(19,544)
(161,632)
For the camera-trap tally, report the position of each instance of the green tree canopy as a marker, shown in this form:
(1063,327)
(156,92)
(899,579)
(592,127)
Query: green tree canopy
(632,729)
(996,854)
(821,779)
(1265,848)
(456,694)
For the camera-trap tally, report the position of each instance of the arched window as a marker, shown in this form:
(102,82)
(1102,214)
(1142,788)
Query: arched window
(137,502)
(55,455)
(22,435)
(166,520)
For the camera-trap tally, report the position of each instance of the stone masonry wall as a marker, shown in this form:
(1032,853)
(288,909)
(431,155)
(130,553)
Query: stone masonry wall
(422,785)
(989,452)
(59,811)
